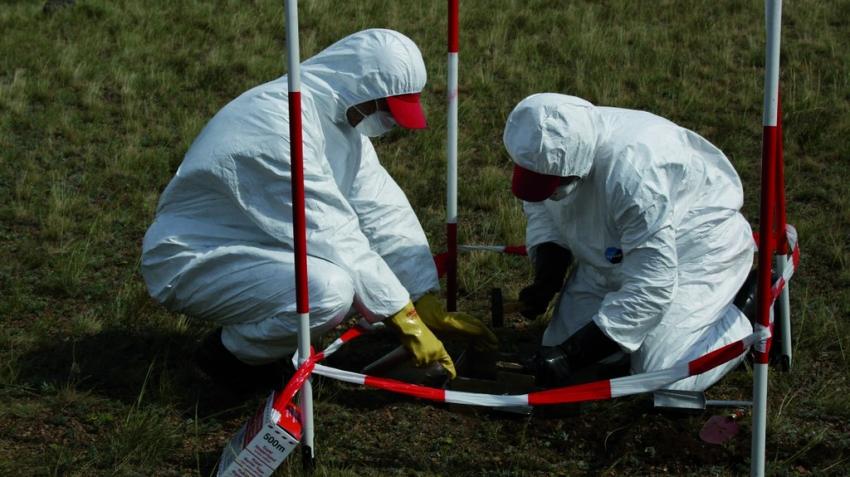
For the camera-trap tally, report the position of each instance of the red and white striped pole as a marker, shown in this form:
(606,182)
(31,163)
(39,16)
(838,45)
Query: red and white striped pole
(293,57)
(767,216)
(451,152)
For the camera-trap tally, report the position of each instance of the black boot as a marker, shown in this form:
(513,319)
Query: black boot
(227,371)
(745,299)
(559,365)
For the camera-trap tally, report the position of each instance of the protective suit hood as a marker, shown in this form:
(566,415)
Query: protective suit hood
(366,65)
(553,134)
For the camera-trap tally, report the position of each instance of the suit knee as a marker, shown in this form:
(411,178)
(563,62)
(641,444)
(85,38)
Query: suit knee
(331,292)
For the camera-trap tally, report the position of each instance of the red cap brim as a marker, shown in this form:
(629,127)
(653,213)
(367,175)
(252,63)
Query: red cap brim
(532,186)
(407,111)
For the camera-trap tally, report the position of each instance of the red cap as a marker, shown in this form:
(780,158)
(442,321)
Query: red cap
(407,111)
(532,186)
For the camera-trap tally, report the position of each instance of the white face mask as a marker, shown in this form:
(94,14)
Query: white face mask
(565,190)
(376,124)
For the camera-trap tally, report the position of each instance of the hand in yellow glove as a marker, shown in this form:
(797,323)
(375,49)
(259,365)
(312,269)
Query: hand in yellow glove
(434,315)
(419,340)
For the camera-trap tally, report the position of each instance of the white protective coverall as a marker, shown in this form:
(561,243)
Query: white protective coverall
(221,246)
(654,225)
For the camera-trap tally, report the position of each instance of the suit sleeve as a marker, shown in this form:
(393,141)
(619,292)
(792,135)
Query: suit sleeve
(389,223)
(540,227)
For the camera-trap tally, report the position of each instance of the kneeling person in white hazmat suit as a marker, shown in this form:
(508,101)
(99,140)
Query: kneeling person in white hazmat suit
(649,212)
(221,246)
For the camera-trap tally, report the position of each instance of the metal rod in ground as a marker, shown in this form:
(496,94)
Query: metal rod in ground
(481,248)
(293,57)
(725,403)
(783,315)
(497,310)
(767,216)
(451,154)
(306,396)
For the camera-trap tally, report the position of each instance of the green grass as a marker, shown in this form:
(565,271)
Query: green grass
(99,101)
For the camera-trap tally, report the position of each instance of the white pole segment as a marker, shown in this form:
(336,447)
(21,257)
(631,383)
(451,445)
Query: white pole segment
(293,52)
(306,395)
(773,19)
(293,57)
(757,454)
(451,199)
(783,311)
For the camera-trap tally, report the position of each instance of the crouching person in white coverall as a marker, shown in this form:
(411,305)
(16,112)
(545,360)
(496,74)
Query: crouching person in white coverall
(649,212)
(221,246)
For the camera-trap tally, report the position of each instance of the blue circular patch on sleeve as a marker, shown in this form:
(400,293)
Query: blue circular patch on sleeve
(614,254)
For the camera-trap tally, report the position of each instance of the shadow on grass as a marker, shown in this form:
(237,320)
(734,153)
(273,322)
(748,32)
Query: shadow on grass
(129,366)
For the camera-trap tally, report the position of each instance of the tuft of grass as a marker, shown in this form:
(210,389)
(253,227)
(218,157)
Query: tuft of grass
(142,442)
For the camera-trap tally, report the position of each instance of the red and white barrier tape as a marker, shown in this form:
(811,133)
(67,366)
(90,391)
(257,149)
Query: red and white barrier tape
(598,390)
(595,391)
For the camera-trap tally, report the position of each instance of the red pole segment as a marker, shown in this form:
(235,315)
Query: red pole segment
(299,217)
(451,267)
(781,219)
(766,235)
(453,26)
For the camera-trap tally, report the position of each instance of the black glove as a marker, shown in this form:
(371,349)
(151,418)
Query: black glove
(551,262)
(555,364)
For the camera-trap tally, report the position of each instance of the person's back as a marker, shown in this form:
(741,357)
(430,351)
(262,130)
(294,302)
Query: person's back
(642,162)
(198,210)
(699,176)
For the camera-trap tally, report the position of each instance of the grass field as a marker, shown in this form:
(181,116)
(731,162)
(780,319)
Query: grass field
(100,100)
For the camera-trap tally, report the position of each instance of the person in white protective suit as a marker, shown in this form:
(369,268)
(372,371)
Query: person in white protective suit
(221,246)
(649,212)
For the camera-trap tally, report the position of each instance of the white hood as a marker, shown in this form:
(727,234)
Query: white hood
(366,65)
(553,134)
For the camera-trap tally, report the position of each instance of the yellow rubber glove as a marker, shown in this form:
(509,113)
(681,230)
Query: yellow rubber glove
(456,323)
(419,340)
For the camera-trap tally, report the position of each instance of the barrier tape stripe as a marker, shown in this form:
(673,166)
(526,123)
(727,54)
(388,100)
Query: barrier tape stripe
(793,260)
(595,391)
(646,382)
(349,335)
